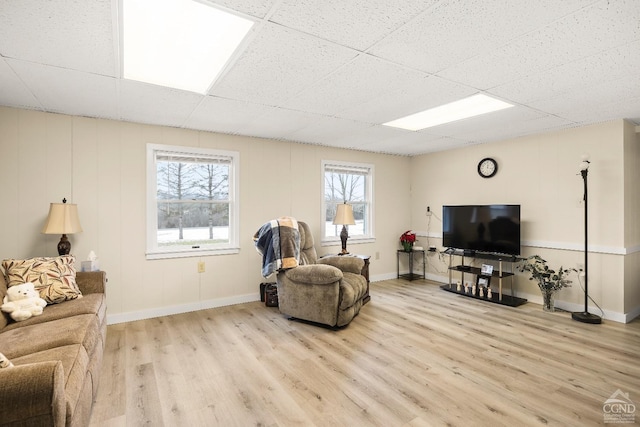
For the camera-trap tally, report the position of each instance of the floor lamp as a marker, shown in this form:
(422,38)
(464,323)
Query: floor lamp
(585,316)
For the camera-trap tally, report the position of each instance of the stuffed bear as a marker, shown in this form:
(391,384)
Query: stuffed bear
(22,302)
(4,362)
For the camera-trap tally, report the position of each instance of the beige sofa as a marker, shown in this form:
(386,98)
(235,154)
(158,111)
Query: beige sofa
(57,358)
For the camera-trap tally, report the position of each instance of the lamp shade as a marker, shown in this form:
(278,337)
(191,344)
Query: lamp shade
(62,219)
(344,215)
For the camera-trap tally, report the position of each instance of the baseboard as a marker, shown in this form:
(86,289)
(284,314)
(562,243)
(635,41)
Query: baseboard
(182,308)
(240,299)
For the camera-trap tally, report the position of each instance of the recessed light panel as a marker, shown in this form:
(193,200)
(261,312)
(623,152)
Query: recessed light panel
(468,107)
(182,44)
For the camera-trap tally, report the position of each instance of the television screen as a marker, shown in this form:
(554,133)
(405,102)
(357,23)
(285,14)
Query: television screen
(484,228)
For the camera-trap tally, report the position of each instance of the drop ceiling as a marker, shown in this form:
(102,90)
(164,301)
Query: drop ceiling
(330,72)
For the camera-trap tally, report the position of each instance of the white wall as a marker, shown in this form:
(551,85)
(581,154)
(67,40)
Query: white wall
(632,216)
(541,173)
(100,165)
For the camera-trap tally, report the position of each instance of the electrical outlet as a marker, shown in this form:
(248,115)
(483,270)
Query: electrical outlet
(377,255)
(428,213)
(201,267)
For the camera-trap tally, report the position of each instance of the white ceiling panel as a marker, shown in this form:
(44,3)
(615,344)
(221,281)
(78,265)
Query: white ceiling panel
(609,97)
(74,34)
(514,129)
(146,103)
(330,72)
(255,8)
(411,97)
(278,64)
(456,30)
(279,123)
(622,62)
(486,122)
(72,92)
(333,19)
(224,115)
(362,80)
(327,130)
(14,92)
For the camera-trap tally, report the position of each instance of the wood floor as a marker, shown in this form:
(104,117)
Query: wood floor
(414,356)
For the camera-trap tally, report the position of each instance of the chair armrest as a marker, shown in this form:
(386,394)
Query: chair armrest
(316,274)
(91,282)
(347,264)
(33,394)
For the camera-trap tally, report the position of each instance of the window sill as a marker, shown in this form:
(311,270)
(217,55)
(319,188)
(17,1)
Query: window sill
(350,241)
(191,253)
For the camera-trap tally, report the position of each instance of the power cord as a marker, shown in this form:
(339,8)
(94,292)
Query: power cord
(433,266)
(589,296)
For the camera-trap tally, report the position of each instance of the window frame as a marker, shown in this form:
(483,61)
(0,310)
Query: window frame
(369,235)
(153,250)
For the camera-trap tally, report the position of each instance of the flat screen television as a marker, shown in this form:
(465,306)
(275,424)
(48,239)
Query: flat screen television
(483,228)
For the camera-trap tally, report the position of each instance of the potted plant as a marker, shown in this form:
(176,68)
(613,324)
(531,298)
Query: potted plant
(549,281)
(407,240)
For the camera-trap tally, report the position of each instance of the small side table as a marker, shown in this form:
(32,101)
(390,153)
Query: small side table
(411,275)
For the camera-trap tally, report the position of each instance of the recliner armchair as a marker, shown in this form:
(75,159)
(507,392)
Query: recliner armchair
(328,290)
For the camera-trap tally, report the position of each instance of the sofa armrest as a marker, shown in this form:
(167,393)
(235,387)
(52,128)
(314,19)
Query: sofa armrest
(316,274)
(92,282)
(33,394)
(347,264)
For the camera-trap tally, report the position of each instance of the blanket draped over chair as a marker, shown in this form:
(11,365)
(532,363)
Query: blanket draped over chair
(278,241)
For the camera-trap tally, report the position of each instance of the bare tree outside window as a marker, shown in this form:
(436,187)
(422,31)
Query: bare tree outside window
(347,185)
(193,200)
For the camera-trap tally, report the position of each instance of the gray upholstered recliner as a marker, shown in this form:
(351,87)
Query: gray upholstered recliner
(326,290)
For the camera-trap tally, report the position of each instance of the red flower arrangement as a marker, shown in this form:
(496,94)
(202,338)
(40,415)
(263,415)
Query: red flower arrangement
(408,237)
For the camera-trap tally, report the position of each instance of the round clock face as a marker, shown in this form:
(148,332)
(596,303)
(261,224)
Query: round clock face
(487,167)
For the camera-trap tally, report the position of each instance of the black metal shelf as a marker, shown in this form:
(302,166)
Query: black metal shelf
(477,271)
(495,298)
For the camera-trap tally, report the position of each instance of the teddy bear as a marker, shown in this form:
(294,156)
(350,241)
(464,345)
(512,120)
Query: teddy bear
(4,362)
(22,302)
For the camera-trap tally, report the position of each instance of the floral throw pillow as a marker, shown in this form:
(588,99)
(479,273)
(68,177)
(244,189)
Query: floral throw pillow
(53,278)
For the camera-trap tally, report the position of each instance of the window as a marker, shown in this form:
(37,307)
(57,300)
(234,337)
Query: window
(192,207)
(350,183)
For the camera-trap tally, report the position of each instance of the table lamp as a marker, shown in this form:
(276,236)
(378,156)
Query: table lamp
(344,217)
(63,219)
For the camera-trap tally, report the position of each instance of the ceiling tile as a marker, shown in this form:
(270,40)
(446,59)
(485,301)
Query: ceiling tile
(223,115)
(456,30)
(146,103)
(325,130)
(407,97)
(278,64)
(610,97)
(279,123)
(609,65)
(505,124)
(74,34)
(331,72)
(14,92)
(333,19)
(67,91)
(362,80)
(255,8)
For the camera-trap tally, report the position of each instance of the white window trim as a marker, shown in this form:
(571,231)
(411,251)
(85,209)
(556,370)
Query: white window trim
(353,240)
(155,252)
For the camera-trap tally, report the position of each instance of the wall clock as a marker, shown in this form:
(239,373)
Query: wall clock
(487,167)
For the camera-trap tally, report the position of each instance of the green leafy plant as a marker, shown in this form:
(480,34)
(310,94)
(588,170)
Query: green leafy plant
(547,278)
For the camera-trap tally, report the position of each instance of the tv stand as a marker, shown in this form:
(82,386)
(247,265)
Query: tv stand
(500,275)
